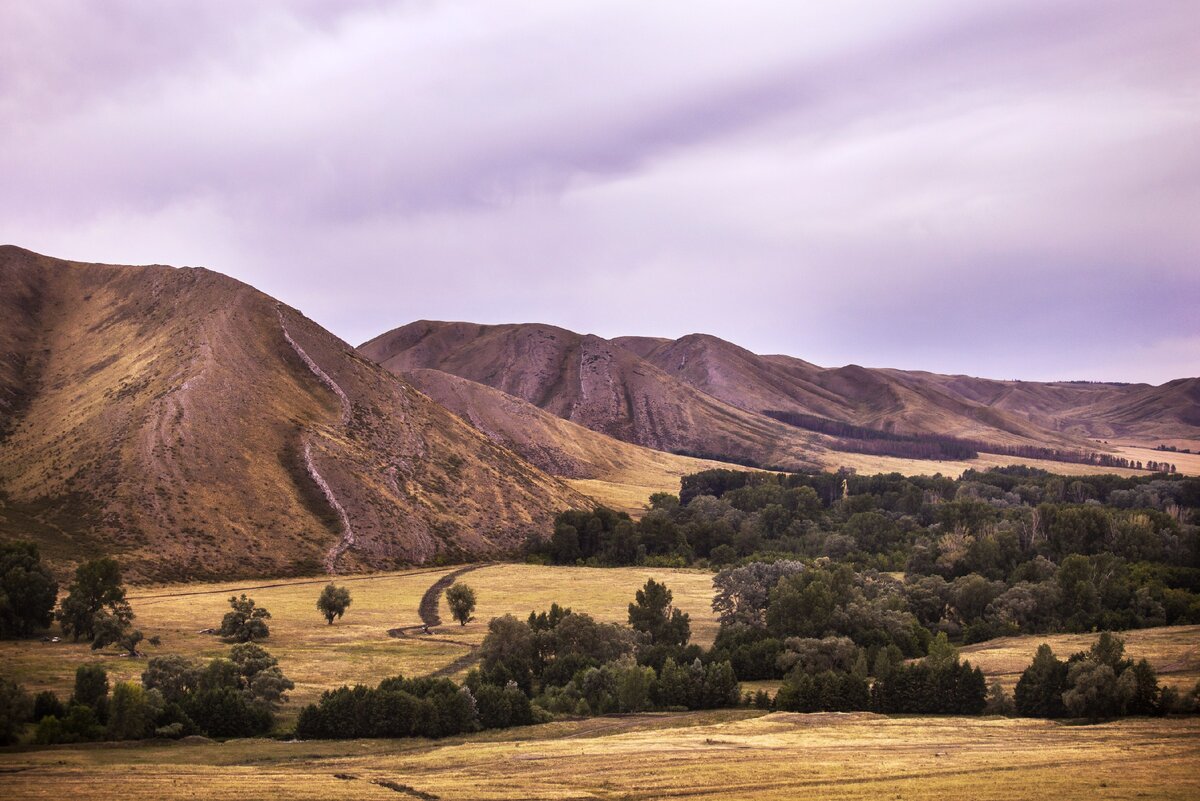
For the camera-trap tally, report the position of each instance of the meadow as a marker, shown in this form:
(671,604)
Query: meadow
(735,753)
(357,648)
(710,755)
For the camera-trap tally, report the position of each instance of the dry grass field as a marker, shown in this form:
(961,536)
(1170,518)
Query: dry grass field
(356,648)
(1174,651)
(710,755)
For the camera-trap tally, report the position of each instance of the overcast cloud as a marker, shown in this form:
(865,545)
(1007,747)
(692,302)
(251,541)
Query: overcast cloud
(1008,189)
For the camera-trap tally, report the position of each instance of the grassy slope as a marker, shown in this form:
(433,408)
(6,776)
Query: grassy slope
(696,755)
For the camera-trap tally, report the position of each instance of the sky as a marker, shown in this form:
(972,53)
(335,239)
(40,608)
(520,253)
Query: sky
(1005,189)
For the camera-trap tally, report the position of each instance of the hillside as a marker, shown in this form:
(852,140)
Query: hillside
(596,384)
(703,395)
(616,473)
(196,427)
(913,402)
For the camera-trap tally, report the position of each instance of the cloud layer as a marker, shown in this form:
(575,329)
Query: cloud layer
(997,188)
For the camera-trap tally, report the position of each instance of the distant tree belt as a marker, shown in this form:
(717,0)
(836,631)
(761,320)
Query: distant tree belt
(877,442)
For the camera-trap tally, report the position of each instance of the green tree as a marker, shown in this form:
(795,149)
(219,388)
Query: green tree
(941,652)
(461,600)
(1039,692)
(174,676)
(16,709)
(91,687)
(108,629)
(653,614)
(247,621)
(96,588)
(333,602)
(46,704)
(132,710)
(27,590)
(260,674)
(1094,692)
(508,653)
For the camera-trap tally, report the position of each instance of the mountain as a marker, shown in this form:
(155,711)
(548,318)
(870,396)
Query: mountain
(701,394)
(597,384)
(194,426)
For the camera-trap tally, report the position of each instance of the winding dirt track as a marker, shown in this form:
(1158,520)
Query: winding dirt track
(427,610)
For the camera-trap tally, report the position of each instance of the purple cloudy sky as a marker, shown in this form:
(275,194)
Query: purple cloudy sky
(1009,189)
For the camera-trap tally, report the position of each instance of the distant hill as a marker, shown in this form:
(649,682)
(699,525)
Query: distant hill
(703,395)
(597,384)
(195,427)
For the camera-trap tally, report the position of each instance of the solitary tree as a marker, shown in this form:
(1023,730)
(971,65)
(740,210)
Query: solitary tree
(333,602)
(96,588)
(461,599)
(247,621)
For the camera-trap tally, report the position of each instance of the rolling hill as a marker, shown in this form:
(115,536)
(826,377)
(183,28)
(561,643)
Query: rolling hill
(703,395)
(596,384)
(196,427)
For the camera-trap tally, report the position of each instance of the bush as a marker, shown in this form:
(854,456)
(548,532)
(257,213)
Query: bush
(502,707)
(80,725)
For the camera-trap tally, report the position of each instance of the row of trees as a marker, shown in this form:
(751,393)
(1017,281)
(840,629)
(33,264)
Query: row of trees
(234,696)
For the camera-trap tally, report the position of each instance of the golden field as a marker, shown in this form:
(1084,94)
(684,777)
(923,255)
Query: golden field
(710,755)
(357,648)
(1174,651)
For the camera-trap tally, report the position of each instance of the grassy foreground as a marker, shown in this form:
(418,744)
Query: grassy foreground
(693,755)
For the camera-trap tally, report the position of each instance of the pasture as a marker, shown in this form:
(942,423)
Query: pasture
(357,648)
(709,755)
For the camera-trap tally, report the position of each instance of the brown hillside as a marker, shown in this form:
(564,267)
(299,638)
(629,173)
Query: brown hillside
(616,473)
(196,427)
(597,384)
(885,399)
(700,394)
